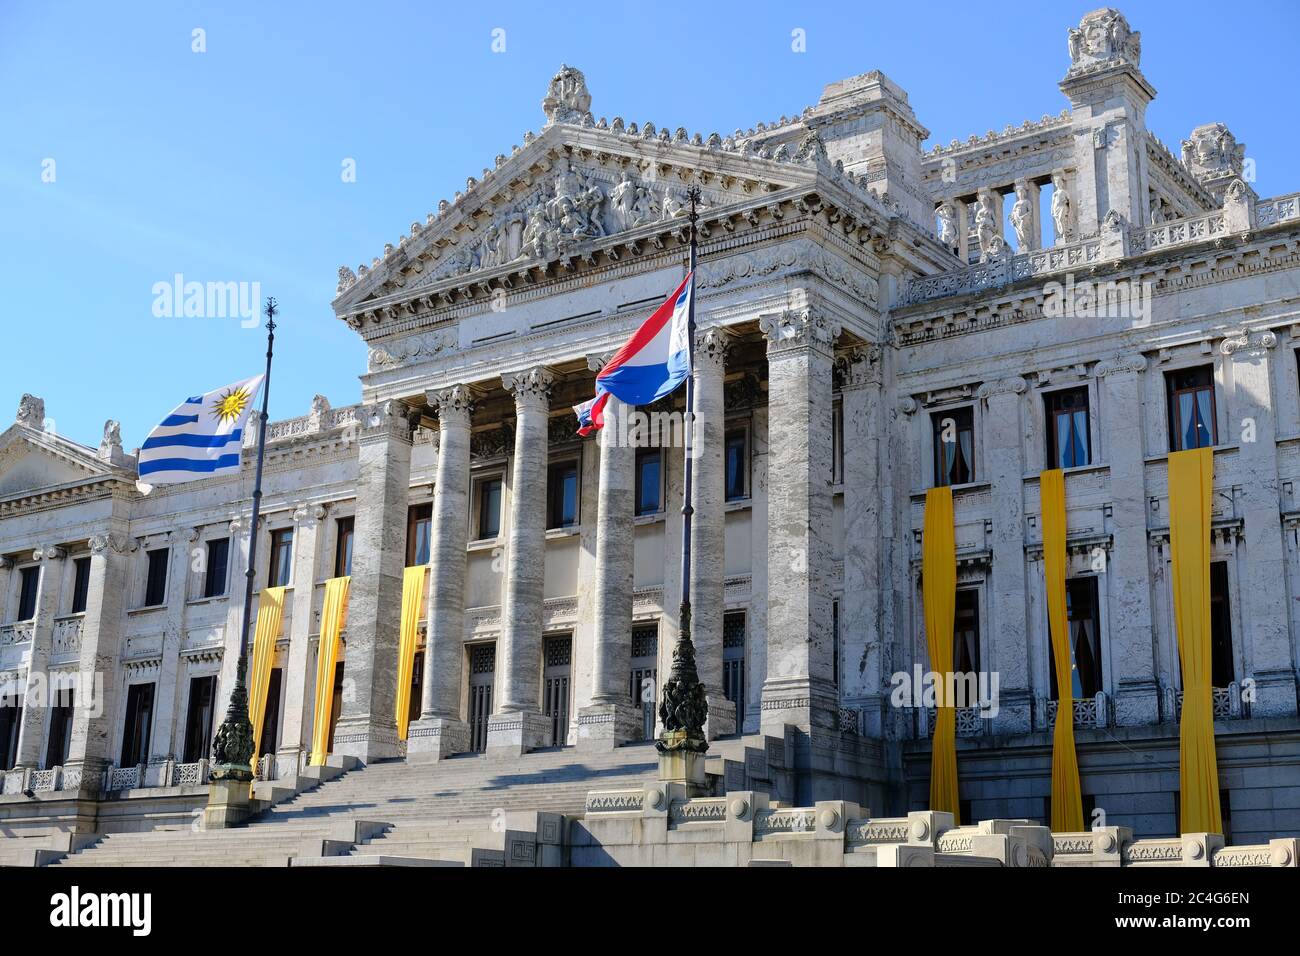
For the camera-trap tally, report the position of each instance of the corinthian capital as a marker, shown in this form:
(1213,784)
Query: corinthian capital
(49,553)
(102,543)
(530,386)
(1134,362)
(1015,385)
(799,328)
(388,420)
(858,366)
(454,405)
(711,348)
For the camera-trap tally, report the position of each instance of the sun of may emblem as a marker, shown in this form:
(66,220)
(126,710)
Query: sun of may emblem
(231,405)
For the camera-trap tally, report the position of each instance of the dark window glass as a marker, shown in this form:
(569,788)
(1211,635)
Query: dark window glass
(737,465)
(835,642)
(139,722)
(966,633)
(155,585)
(419,522)
(1084,628)
(343,547)
(60,738)
(271,716)
(417,687)
(28,581)
(1223,670)
(11,718)
(198,720)
(80,584)
(954,446)
(562,495)
(649,471)
(214,578)
(1067,428)
(733,662)
(281,557)
(1191,408)
(837,444)
(489,508)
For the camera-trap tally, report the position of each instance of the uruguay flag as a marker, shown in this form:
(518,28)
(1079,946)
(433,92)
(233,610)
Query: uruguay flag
(652,363)
(201,438)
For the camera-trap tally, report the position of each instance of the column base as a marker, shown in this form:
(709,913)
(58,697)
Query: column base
(365,741)
(435,738)
(721,721)
(512,734)
(230,803)
(606,726)
(1273,695)
(1137,703)
(799,702)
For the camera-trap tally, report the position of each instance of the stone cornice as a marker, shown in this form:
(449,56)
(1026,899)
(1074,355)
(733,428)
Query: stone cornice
(58,496)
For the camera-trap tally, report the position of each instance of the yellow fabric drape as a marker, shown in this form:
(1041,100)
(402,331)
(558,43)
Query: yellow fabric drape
(939,595)
(270,614)
(332,615)
(412,599)
(1067,795)
(1191,477)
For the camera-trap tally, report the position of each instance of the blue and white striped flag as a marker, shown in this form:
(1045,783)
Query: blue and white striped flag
(201,438)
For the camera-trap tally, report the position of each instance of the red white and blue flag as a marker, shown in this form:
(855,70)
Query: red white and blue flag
(653,362)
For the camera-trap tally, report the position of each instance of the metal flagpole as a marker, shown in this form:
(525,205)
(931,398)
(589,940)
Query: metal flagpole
(232,750)
(684,707)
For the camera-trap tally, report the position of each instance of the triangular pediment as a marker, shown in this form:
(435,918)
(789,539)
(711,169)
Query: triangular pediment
(32,460)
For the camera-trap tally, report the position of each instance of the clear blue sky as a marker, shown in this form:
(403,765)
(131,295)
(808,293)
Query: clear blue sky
(225,165)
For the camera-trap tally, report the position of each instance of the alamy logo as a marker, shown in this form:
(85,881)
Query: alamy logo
(74,909)
(207,300)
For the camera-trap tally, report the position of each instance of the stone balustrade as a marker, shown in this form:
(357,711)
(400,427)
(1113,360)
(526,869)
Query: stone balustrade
(1003,271)
(1089,712)
(1270,212)
(1178,232)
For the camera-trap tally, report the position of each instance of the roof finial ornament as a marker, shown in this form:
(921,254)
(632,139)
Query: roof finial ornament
(567,99)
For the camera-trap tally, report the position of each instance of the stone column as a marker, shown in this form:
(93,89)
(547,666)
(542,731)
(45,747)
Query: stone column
(708,525)
(235,608)
(1262,594)
(1007,652)
(367,728)
(440,731)
(308,556)
(861,644)
(97,690)
(610,719)
(798,690)
(517,724)
(36,698)
(1132,650)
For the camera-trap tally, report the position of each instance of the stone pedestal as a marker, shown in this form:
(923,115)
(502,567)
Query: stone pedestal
(230,803)
(433,738)
(513,733)
(604,726)
(682,767)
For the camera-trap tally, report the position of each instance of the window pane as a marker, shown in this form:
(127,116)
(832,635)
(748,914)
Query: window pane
(1204,419)
(562,495)
(647,482)
(489,508)
(30,578)
(1081,456)
(214,583)
(80,585)
(155,591)
(343,549)
(736,465)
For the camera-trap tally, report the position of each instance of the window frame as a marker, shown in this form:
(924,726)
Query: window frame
(80,585)
(214,586)
(479,503)
(1051,413)
(28,601)
(345,529)
(277,574)
(163,558)
(937,417)
(742,430)
(642,455)
(417,515)
(973,591)
(1174,421)
(567,464)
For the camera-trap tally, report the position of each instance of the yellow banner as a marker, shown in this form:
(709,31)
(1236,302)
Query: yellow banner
(333,614)
(939,595)
(1067,797)
(270,614)
(1191,480)
(412,601)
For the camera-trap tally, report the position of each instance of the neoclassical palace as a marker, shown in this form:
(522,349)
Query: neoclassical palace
(876,317)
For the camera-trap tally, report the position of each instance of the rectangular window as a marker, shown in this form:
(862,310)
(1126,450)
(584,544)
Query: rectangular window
(155,584)
(28,581)
(11,718)
(80,584)
(835,643)
(1084,628)
(281,558)
(1191,408)
(954,446)
(489,508)
(966,633)
(139,722)
(60,738)
(271,716)
(343,547)
(198,719)
(837,444)
(562,495)
(214,578)
(649,480)
(1223,670)
(737,455)
(419,523)
(733,662)
(417,687)
(1067,428)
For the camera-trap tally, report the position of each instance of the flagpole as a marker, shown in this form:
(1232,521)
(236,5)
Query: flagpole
(684,708)
(232,749)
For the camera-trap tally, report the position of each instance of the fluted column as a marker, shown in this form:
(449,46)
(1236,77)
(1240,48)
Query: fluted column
(799,691)
(308,556)
(517,724)
(708,526)
(367,728)
(440,731)
(36,699)
(611,719)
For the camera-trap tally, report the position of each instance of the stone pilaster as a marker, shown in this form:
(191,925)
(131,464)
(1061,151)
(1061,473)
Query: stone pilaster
(1131,636)
(295,731)
(367,728)
(36,698)
(6,576)
(1262,596)
(861,639)
(798,690)
(611,719)
(440,731)
(1005,463)
(708,525)
(101,634)
(517,725)
(162,746)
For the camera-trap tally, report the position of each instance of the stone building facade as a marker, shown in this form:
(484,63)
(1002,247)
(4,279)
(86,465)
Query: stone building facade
(874,318)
